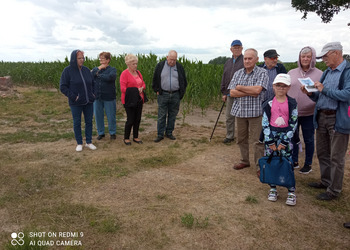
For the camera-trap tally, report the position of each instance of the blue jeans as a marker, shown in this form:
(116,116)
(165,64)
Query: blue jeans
(110,107)
(168,108)
(88,111)
(307,127)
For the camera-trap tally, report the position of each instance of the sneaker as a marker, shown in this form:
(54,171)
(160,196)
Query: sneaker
(306,169)
(79,148)
(291,199)
(296,165)
(272,195)
(90,146)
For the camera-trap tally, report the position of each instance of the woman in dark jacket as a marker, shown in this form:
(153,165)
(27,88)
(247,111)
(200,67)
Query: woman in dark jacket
(77,84)
(104,78)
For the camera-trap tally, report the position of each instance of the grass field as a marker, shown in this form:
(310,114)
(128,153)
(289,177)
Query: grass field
(179,194)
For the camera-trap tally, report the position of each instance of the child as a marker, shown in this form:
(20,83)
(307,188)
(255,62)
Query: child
(280,115)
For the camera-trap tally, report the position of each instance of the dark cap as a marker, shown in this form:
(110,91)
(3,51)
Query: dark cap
(271,53)
(236,42)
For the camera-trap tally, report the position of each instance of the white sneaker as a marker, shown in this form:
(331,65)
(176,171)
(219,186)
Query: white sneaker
(90,146)
(291,199)
(79,148)
(272,195)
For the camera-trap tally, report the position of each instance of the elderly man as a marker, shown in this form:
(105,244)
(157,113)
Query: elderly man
(247,87)
(169,82)
(332,120)
(231,66)
(273,69)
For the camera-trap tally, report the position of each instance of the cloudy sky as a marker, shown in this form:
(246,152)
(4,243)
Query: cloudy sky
(36,30)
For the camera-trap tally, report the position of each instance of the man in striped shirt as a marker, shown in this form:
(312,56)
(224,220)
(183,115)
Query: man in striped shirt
(247,87)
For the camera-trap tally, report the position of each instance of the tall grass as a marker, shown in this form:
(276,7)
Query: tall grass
(203,79)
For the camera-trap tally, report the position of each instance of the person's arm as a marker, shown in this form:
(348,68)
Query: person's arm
(250,90)
(109,75)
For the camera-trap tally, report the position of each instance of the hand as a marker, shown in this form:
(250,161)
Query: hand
(319,86)
(303,89)
(273,147)
(224,98)
(141,89)
(102,66)
(280,147)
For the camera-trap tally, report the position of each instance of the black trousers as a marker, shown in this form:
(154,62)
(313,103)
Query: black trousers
(133,120)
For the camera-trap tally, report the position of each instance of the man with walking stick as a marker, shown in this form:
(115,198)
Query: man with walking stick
(247,87)
(231,66)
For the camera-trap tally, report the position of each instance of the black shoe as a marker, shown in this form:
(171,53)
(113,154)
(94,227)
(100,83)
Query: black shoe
(318,185)
(227,140)
(171,137)
(139,142)
(113,137)
(127,143)
(306,169)
(347,224)
(158,139)
(296,165)
(326,196)
(99,137)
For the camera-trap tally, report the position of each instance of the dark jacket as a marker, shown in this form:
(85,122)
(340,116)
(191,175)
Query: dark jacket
(105,83)
(229,70)
(292,105)
(279,69)
(156,84)
(77,82)
(132,97)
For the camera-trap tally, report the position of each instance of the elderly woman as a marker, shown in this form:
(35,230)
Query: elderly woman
(104,77)
(77,84)
(132,87)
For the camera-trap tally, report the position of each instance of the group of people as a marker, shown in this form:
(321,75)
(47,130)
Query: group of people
(269,105)
(94,93)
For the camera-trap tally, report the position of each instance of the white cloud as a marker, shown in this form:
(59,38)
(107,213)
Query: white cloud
(199,29)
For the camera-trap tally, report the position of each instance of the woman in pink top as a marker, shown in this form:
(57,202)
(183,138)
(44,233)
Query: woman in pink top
(132,96)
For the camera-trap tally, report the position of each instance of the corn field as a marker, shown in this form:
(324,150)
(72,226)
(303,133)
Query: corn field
(202,91)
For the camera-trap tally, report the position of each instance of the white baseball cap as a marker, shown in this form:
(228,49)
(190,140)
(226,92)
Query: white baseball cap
(282,78)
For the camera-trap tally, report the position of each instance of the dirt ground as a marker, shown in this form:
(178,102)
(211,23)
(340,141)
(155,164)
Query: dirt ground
(230,208)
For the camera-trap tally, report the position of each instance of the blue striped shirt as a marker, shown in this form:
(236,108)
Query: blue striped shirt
(249,106)
(331,82)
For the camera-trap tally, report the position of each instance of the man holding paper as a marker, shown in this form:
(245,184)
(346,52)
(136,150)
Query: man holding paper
(331,120)
(306,71)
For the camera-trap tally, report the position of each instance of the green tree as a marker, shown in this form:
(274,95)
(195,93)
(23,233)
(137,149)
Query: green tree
(218,60)
(324,9)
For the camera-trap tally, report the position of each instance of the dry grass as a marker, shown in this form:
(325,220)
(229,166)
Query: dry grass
(179,194)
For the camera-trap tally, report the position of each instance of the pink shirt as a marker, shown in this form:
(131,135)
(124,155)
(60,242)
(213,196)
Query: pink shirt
(279,113)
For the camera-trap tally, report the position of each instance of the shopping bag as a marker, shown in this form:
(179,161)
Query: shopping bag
(277,169)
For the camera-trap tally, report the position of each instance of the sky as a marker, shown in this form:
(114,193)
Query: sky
(200,30)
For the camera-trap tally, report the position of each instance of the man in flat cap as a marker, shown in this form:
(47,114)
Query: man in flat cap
(273,68)
(231,66)
(332,120)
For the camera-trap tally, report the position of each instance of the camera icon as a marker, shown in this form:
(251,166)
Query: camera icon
(17,239)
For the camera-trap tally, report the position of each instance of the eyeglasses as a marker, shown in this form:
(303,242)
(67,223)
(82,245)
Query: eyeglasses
(273,58)
(281,86)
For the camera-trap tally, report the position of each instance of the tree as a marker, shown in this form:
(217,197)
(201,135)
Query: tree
(324,9)
(218,60)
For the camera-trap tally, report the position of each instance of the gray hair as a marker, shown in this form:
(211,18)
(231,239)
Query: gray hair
(254,50)
(305,50)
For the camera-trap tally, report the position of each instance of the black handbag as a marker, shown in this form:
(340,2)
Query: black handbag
(277,169)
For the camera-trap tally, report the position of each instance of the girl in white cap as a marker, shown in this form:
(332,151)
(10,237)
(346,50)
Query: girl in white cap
(280,115)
